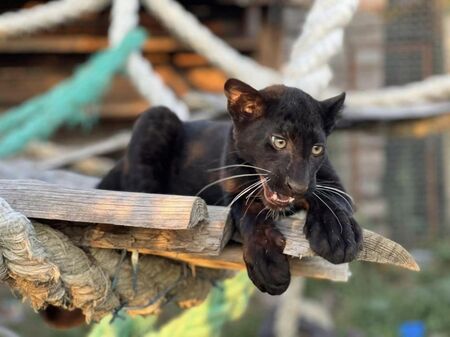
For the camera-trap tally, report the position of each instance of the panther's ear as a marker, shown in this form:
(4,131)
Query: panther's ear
(331,108)
(244,102)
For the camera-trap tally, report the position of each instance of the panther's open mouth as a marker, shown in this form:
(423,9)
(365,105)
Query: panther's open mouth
(275,199)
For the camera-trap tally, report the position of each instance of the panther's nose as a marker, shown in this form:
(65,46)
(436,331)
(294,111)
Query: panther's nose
(296,187)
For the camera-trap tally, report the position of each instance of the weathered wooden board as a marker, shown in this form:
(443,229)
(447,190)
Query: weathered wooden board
(59,44)
(231,258)
(178,245)
(376,248)
(37,199)
(208,238)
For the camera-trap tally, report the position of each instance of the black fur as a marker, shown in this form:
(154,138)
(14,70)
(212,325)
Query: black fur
(171,157)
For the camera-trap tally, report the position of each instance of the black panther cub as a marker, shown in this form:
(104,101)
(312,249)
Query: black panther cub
(270,161)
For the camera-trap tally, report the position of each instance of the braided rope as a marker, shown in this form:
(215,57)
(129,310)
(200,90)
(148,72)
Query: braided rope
(46,15)
(186,26)
(308,69)
(45,267)
(124,16)
(322,38)
(432,89)
(228,301)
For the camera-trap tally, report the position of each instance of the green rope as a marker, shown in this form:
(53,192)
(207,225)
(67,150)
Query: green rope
(39,117)
(226,302)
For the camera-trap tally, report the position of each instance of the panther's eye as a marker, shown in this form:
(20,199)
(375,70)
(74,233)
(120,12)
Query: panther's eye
(278,142)
(317,150)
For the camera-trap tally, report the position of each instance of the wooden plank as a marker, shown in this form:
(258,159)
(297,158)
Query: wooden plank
(231,258)
(173,79)
(123,110)
(189,60)
(208,238)
(376,248)
(207,79)
(41,200)
(82,44)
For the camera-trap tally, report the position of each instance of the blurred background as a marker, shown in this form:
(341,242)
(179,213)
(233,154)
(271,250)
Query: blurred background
(397,170)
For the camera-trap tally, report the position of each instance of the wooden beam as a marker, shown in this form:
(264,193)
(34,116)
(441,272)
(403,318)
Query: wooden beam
(376,248)
(231,258)
(36,199)
(207,79)
(84,44)
(207,238)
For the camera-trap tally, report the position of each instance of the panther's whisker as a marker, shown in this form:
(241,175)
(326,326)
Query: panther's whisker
(248,183)
(314,193)
(265,180)
(323,189)
(265,207)
(244,191)
(228,178)
(336,190)
(238,165)
(253,200)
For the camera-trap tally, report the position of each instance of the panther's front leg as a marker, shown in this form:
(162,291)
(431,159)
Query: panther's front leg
(263,246)
(332,231)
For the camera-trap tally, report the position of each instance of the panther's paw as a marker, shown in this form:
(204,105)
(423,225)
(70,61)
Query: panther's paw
(334,235)
(267,266)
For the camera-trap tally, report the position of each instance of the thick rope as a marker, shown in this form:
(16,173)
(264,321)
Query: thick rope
(432,89)
(187,27)
(226,302)
(321,39)
(307,67)
(47,15)
(46,268)
(124,18)
(66,103)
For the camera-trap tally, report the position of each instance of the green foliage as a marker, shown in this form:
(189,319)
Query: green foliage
(226,302)
(377,299)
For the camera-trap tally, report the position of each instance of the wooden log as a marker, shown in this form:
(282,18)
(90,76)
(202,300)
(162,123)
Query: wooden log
(41,200)
(173,79)
(376,248)
(207,238)
(231,258)
(207,79)
(82,44)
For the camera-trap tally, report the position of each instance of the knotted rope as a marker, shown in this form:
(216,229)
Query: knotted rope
(45,268)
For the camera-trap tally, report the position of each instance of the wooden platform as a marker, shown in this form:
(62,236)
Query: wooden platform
(177,227)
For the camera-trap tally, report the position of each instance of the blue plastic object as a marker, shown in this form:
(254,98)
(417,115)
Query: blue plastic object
(412,329)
